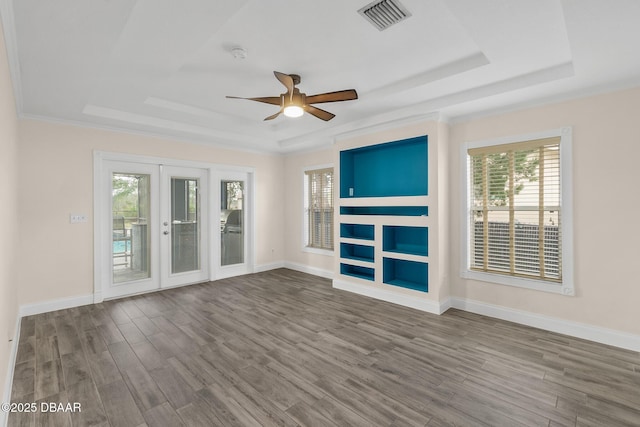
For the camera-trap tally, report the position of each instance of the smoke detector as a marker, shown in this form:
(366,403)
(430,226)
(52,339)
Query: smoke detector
(239,52)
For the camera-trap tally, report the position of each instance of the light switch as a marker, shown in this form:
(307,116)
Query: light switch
(75,218)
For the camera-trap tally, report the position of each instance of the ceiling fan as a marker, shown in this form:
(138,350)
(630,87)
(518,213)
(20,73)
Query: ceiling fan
(294,103)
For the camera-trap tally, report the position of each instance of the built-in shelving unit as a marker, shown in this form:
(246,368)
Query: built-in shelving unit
(384,214)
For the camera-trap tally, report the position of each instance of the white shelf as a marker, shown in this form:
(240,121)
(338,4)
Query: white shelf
(356,262)
(353,241)
(424,221)
(404,256)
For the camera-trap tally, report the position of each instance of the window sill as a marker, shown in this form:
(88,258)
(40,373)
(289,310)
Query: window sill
(519,282)
(317,251)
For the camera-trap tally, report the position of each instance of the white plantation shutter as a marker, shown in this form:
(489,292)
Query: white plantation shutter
(515,201)
(320,208)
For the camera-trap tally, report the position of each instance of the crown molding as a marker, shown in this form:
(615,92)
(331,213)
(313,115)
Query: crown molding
(148,134)
(391,124)
(383,121)
(171,125)
(549,100)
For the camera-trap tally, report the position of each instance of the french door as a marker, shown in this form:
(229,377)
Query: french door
(157,221)
(185,226)
(233,239)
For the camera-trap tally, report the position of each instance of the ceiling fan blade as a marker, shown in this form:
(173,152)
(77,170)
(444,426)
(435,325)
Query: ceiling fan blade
(273,116)
(273,100)
(319,113)
(285,79)
(341,95)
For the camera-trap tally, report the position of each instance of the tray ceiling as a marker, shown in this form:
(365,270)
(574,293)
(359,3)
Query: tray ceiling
(164,67)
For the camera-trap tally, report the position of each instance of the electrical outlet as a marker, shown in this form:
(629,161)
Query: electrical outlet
(77,218)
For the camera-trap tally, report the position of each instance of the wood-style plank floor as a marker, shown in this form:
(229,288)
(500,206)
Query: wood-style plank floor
(285,348)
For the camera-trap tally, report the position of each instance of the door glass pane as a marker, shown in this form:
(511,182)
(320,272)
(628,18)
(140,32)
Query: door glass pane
(231,224)
(130,240)
(185,233)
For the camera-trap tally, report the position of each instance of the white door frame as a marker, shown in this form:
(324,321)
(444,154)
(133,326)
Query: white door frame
(101,228)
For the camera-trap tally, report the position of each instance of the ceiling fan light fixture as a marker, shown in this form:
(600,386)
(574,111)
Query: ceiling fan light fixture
(293,111)
(294,103)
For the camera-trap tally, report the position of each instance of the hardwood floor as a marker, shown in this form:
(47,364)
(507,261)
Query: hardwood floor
(285,348)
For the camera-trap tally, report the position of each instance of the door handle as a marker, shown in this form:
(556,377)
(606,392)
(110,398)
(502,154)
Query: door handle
(165,232)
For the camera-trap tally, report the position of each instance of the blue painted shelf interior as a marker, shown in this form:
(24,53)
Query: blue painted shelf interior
(357,231)
(396,168)
(385,210)
(357,271)
(406,240)
(407,274)
(357,252)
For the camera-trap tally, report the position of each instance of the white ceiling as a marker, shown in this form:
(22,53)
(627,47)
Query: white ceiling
(164,67)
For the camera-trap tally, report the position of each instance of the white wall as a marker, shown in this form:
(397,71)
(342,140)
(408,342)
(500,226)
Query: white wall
(8,217)
(606,149)
(55,258)
(295,255)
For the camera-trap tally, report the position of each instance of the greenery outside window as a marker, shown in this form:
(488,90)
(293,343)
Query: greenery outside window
(319,208)
(517,217)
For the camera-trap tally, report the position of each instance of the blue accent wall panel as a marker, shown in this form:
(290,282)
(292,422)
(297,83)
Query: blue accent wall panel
(356,271)
(407,274)
(396,168)
(359,252)
(357,231)
(405,239)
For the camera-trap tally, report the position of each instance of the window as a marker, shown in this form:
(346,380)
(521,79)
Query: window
(319,208)
(518,214)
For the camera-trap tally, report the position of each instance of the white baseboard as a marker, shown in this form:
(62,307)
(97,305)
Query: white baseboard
(393,297)
(327,274)
(553,324)
(6,394)
(266,267)
(53,305)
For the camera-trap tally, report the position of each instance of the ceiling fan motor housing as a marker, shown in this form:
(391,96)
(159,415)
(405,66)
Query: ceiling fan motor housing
(295,98)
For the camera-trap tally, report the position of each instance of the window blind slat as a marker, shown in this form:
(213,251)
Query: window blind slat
(515,209)
(320,211)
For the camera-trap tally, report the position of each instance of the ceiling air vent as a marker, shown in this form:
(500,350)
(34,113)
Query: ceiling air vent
(384,13)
